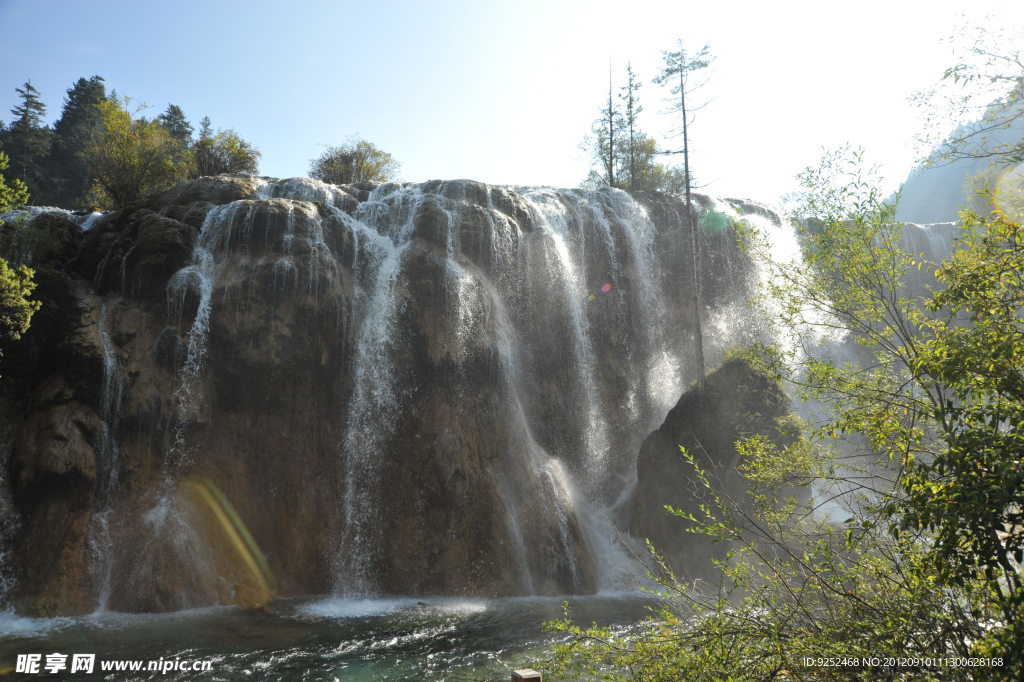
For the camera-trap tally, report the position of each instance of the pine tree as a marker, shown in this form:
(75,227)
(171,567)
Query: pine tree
(177,125)
(623,156)
(630,131)
(31,111)
(27,142)
(610,122)
(79,122)
(603,143)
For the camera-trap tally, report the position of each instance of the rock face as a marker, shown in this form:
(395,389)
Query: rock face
(737,402)
(415,389)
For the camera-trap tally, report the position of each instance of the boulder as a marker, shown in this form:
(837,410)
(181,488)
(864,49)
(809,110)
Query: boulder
(737,401)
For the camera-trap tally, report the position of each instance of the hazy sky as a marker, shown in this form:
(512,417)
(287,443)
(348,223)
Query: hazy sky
(504,91)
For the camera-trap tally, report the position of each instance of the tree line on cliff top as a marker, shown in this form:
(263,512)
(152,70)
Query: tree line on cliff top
(625,157)
(102,152)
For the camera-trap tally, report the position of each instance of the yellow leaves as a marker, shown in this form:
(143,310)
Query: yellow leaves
(130,157)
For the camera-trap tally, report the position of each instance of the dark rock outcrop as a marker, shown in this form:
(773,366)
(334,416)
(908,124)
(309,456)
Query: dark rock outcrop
(737,401)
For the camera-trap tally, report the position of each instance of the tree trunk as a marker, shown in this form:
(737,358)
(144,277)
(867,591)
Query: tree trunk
(698,333)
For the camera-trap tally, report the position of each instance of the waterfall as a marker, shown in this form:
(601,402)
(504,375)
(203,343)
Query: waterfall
(553,226)
(111,399)
(370,413)
(100,536)
(544,284)
(402,388)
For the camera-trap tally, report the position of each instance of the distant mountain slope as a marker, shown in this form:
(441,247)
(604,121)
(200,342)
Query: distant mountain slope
(936,194)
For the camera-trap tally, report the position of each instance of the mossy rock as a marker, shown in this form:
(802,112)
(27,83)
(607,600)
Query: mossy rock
(214,190)
(46,240)
(163,247)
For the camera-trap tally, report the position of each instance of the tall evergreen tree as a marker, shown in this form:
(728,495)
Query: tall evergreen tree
(27,142)
(624,157)
(177,125)
(603,143)
(79,122)
(611,120)
(630,131)
(31,110)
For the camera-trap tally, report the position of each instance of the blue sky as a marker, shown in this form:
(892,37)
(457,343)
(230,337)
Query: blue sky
(503,92)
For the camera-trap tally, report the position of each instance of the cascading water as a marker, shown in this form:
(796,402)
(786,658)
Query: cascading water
(110,409)
(370,414)
(101,540)
(199,279)
(421,389)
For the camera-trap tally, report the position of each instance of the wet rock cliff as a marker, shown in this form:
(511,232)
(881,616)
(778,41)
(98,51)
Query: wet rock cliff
(415,389)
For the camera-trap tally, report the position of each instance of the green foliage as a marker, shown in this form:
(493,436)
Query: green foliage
(14,194)
(827,599)
(794,586)
(69,173)
(16,285)
(223,152)
(623,156)
(921,449)
(942,400)
(16,308)
(970,496)
(27,142)
(131,157)
(650,176)
(177,125)
(22,243)
(354,161)
(984,87)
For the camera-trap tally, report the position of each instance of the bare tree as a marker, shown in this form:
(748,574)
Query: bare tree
(607,130)
(631,102)
(678,67)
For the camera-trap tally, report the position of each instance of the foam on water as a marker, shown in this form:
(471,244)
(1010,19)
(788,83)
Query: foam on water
(340,607)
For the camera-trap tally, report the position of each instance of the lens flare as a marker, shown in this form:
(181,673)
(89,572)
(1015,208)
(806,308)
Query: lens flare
(606,287)
(714,221)
(1008,193)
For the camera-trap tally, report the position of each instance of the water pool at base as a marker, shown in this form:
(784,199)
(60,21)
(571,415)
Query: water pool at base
(326,638)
